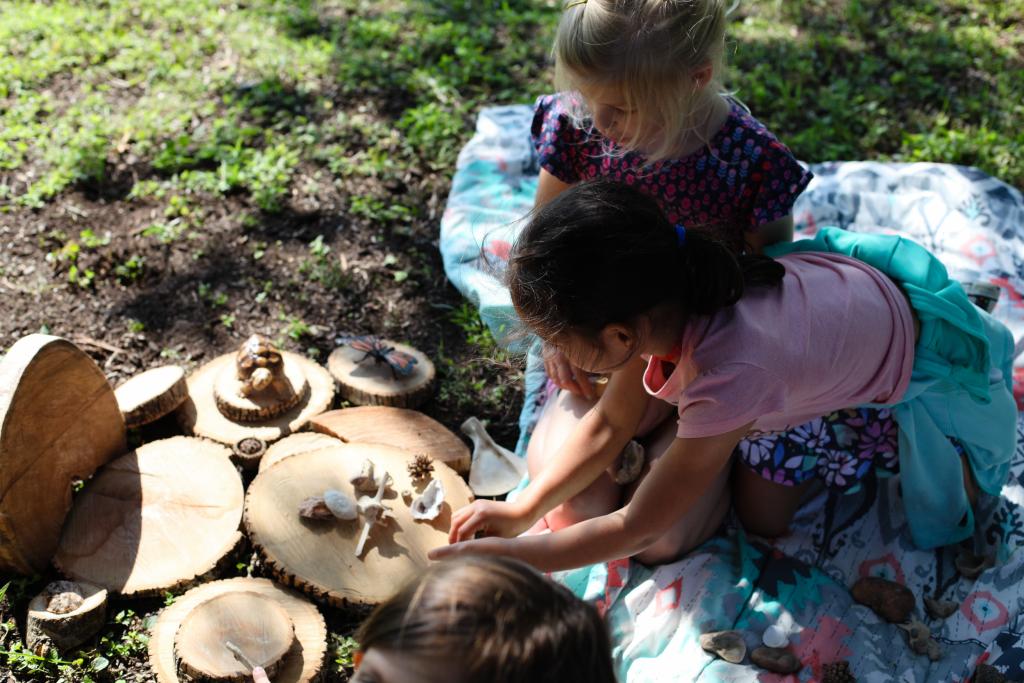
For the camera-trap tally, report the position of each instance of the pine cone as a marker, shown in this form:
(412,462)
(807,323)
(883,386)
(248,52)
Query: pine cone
(837,672)
(421,467)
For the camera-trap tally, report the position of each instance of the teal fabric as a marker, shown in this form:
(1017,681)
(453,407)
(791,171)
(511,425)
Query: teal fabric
(961,385)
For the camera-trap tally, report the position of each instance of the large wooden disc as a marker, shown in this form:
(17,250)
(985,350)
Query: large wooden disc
(59,421)
(156,519)
(319,556)
(366,382)
(297,443)
(301,664)
(200,415)
(257,625)
(150,395)
(409,430)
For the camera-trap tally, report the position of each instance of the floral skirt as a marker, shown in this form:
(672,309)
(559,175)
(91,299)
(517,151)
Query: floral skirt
(840,449)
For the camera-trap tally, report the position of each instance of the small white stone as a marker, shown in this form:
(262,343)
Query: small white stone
(340,505)
(775,636)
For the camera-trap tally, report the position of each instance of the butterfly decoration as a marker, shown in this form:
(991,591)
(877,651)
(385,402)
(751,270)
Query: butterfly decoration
(401,363)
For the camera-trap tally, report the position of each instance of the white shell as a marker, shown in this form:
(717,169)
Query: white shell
(428,505)
(495,470)
(775,636)
(340,505)
(364,482)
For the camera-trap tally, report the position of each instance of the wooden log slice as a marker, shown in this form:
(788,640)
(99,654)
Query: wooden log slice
(409,430)
(200,416)
(64,616)
(227,393)
(150,395)
(59,421)
(256,625)
(319,556)
(366,382)
(297,443)
(156,519)
(302,663)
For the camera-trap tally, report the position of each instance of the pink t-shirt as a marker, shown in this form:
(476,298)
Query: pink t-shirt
(836,334)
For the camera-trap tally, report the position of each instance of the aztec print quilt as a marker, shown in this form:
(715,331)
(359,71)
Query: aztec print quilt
(801,582)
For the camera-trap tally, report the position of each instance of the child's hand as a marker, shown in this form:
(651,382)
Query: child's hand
(491,517)
(565,375)
(481,546)
(259,675)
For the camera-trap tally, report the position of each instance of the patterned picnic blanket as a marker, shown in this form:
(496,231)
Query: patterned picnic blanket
(975,224)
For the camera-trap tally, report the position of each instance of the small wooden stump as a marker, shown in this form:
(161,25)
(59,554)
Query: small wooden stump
(297,443)
(150,395)
(319,556)
(59,421)
(300,664)
(366,382)
(64,616)
(408,430)
(156,519)
(256,626)
(201,416)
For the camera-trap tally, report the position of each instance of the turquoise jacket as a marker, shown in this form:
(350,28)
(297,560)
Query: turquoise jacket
(961,386)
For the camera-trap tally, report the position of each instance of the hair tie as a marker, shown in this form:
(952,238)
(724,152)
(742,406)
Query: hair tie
(680,235)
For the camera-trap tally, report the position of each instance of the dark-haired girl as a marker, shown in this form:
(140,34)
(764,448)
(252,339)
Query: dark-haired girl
(745,347)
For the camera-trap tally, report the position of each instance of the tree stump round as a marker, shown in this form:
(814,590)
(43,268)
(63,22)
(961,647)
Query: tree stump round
(318,556)
(64,616)
(155,520)
(200,414)
(300,664)
(59,421)
(227,636)
(150,395)
(366,381)
(297,443)
(409,430)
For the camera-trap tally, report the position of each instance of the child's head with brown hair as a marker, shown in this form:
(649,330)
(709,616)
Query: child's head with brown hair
(484,620)
(648,70)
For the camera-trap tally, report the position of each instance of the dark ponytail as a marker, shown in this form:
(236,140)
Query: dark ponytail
(602,252)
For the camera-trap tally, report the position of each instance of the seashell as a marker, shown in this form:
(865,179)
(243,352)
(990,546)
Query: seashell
(775,637)
(728,645)
(428,505)
(340,505)
(364,482)
(494,470)
(940,609)
(971,565)
(314,508)
(631,464)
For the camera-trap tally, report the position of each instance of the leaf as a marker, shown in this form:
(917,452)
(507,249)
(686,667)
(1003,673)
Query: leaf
(100,663)
(401,275)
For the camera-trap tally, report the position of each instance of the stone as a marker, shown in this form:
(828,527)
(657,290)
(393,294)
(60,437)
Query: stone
(837,672)
(776,659)
(891,601)
(728,645)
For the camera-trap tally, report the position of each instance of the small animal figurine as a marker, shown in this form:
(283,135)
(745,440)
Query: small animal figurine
(259,365)
(401,363)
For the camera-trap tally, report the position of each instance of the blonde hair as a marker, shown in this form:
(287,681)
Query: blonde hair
(503,621)
(651,50)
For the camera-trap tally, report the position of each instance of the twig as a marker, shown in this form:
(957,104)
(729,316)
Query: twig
(89,341)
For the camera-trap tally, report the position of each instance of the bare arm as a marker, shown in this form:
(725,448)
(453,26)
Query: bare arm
(548,187)
(768,234)
(669,491)
(589,450)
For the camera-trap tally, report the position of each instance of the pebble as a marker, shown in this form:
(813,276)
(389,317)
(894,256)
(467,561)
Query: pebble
(940,609)
(728,645)
(775,659)
(775,636)
(986,673)
(888,599)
